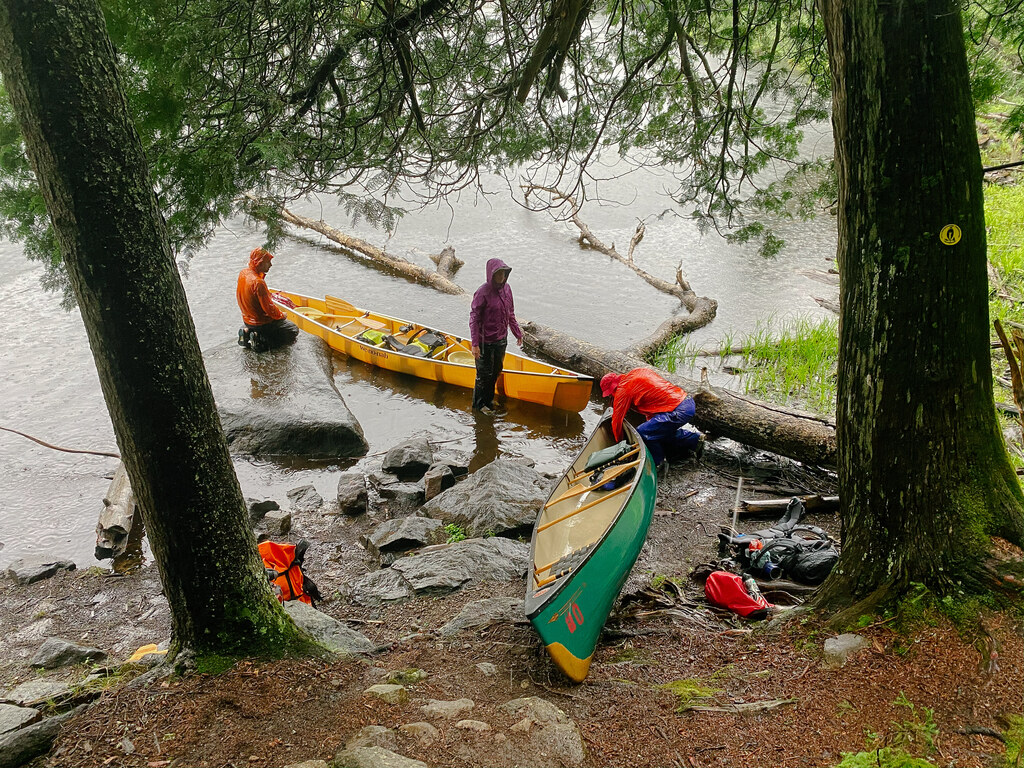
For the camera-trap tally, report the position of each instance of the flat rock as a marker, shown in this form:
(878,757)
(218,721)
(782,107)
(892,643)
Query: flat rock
(487,669)
(464,562)
(548,729)
(328,631)
(305,499)
(443,569)
(502,496)
(423,732)
(282,402)
(408,676)
(36,690)
(276,522)
(838,649)
(309,764)
(373,736)
(258,509)
(13,717)
(404,533)
(392,694)
(57,652)
(407,495)
(473,725)
(481,613)
(447,709)
(374,757)
(27,570)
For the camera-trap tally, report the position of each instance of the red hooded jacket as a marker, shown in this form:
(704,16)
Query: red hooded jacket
(252,292)
(644,390)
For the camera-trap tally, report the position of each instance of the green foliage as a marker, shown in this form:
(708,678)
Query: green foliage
(214,664)
(689,693)
(884,757)
(1014,736)
(455,533)
(918,731)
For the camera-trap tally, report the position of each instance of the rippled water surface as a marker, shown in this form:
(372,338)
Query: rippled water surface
(49,501)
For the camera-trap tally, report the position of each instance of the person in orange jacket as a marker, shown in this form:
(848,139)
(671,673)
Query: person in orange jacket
(266,326)
(666,407)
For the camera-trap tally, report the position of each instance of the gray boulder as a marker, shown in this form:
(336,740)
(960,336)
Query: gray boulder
(13,717)
(374,757)
(443,569)
(548,729)
(27,570)
(410,459)
(352,495)
(275,523)
(258,509)
(439,478)
(402,534)
(373,736)
(282,402)
(57,652)
(20,746)
(457,461)
(405,495)
(305,499)
(328,631)
(503,496)
(483,613)
(32,691)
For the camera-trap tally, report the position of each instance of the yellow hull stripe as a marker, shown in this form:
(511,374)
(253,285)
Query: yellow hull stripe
(575,668)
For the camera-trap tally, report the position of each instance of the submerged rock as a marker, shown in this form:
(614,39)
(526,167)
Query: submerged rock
(410,459)
(282,402)
(28,570)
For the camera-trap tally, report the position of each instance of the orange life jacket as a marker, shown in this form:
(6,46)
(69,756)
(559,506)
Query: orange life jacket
(284,569)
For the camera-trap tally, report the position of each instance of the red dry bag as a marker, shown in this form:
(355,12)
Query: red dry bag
(727,590)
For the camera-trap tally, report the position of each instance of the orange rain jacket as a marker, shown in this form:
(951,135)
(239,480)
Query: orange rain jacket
(288,576)
(253,295)
(647,392)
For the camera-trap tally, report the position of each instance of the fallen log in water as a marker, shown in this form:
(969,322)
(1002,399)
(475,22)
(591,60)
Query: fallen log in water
(441,280)
(117,516)
(800,436)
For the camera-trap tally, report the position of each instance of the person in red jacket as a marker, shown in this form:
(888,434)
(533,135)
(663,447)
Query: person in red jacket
(666,407)
(266,326)
(491,316)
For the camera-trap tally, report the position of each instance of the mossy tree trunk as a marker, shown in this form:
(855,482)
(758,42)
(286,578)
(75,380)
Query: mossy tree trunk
(60,71)
(924,477)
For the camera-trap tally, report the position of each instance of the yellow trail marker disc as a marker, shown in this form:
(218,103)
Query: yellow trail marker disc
(950,234)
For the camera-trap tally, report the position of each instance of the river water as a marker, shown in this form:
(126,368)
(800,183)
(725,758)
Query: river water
(49,501)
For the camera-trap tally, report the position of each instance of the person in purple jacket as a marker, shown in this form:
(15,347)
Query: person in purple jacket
(491,316)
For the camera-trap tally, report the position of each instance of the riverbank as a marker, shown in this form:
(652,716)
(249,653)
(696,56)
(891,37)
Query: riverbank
(673,682)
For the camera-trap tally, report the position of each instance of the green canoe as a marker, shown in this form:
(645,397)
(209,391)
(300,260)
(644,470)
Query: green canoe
(585,541)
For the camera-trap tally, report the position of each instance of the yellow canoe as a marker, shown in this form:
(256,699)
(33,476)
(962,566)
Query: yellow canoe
(399,345)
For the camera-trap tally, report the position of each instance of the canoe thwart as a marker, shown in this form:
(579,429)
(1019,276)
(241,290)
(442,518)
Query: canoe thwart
(613,473)
(584,473)
(588,505)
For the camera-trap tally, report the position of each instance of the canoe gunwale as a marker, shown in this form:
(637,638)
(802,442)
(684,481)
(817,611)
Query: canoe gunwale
(531,610)
(568,375)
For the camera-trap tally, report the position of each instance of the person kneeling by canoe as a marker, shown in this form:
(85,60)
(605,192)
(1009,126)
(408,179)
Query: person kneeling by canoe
(265,327)
(667,408)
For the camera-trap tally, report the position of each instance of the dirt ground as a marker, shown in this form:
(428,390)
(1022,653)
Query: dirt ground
(925,692)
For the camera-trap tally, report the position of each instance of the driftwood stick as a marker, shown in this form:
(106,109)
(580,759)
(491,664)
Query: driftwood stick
(1015,357)
(813,502)
(750,706)
(420,274)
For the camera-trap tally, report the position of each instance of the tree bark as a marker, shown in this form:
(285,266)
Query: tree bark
(59,69)
(924,477)
(802,437)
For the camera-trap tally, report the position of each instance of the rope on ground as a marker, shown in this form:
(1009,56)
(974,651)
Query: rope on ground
(57,447)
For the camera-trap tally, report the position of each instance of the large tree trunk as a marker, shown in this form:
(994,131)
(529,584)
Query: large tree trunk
(924,477)
(59,68)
